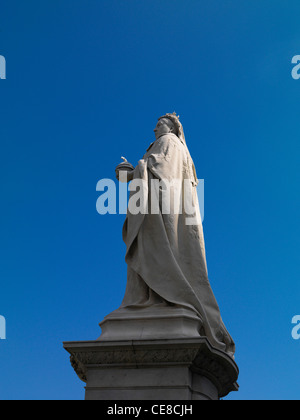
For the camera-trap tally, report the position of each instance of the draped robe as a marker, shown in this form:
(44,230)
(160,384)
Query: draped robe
(165,255)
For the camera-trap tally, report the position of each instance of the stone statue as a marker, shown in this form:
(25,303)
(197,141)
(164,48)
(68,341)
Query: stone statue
(166,259)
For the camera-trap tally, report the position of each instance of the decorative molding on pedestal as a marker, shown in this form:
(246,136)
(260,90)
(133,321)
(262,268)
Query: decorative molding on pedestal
(96,362)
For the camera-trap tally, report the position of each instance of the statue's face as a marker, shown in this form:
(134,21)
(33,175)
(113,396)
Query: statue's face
(164,126)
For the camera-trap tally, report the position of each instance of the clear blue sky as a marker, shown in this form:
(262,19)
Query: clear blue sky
(86,81)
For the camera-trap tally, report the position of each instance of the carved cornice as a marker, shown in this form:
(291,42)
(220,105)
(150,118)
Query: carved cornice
(197,354)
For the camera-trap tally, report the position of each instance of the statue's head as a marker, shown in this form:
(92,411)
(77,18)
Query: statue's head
(169,123)
(164,126)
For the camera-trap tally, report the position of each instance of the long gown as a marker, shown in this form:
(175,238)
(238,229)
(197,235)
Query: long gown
(165,255)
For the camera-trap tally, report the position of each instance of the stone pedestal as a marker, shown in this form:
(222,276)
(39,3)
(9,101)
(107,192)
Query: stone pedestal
(148,324)
(173,369)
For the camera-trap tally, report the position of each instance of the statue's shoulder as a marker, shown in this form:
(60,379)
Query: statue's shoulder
(169,138)
(160,141)
(150,146)
(163,143)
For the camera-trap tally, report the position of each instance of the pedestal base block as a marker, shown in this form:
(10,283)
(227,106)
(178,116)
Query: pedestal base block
(174,369)
(148,324)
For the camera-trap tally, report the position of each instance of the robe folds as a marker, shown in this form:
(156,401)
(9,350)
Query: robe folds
(165,254)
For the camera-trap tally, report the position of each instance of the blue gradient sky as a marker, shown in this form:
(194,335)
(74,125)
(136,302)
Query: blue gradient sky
(86,81)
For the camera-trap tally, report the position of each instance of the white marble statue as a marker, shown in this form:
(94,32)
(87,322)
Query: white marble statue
(165,255)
